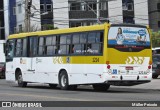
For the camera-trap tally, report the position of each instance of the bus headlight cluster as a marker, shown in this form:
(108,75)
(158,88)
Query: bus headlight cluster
(148,71)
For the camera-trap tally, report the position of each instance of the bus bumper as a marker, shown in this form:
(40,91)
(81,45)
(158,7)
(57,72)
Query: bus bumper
(127,83)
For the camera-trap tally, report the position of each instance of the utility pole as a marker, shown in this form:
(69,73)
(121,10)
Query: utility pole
(98,12)
(28,4)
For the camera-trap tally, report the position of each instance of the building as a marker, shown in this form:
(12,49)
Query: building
(2,33)
(2,29)
(46,10)
(154,14)
(73,13)
(21,17)
(15,16)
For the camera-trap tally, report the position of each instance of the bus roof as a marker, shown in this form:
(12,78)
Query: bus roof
(60,31)
(130,25)
(70,30)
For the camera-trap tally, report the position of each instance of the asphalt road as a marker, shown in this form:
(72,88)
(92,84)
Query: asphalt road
(42,92)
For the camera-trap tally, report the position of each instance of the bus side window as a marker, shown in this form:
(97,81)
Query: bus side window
(99,42)
(41,46)
(18,47)
(24,50)
(63,41)
(83,41)
(91,41)
(95,43)
(9,50)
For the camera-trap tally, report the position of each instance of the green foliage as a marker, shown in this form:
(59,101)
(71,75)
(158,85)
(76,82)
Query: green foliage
(49,27)
(155,39)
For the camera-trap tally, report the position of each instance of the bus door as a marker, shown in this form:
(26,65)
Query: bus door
(32,51)
(9,53)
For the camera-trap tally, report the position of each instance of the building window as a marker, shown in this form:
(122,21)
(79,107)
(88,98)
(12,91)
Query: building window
(158,6)
(130,7)
(75,6)
(14,10)
(48,7)
(19,8)
(15,30)
(42,8)
(158,24)
(128,20)
(20,28)
(92,6)
(124,7)
(102,6)
(83,6)
(75,24)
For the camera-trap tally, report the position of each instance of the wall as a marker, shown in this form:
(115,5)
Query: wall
(141,12)
(154,14)
(36,19)
(115,11)
(20,16)
(6,18)
(61,13)
(2,35)
(35,23)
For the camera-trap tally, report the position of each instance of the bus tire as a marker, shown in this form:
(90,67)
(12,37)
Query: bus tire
(63,80)
(52,85)
(101,87)
(21,83)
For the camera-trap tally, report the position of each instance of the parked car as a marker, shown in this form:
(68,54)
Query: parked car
(156,50)
(156,66)
(2,70)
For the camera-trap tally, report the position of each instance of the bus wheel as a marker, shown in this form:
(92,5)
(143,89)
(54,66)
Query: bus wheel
(21,83)
(52,85)
(63,80)
(101,87)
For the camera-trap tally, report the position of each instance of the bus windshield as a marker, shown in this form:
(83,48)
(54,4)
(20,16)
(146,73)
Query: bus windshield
(120,36)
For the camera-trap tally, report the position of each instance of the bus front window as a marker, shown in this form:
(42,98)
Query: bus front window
(9,49)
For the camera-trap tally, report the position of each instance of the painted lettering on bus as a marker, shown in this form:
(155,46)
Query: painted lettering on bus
(95,60)
(57,60)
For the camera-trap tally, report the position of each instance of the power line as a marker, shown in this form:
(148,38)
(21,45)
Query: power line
(79,5)
(94,11)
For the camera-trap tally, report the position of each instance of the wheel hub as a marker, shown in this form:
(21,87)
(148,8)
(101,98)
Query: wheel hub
(20,79)
(63,81)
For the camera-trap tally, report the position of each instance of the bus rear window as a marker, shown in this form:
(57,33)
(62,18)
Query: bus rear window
(128,36)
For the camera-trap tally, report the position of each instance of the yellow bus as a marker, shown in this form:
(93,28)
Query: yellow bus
(98,55)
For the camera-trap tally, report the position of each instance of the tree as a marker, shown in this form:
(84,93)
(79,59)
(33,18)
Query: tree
(48,27)
(155,39)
